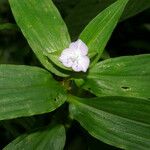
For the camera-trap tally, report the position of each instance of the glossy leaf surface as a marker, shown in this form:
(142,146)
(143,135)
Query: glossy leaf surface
(122,76)
(43,28)
(27,91)
(118,121)
(47,139)
(97,33)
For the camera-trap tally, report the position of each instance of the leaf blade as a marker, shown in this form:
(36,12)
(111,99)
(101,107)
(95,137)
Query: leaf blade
(44,30)
(98,31)
(79,12)
(122,76)
(119,121)
(27,91)
(134,7)
(50,138)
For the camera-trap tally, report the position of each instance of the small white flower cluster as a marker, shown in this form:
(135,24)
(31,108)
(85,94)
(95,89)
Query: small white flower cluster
(76,56)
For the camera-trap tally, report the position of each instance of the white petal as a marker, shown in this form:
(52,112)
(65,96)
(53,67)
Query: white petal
(79,47)
(75,56)
(81,64)
(65,55)
(84,62)
(76,67)
(68,62)
(67,52)
(65,58)
(73,46)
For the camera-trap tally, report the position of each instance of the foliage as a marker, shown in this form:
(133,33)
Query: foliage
(40,106)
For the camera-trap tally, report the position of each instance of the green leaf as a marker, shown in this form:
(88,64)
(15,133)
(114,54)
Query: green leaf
(46,139)
(122,76)
(27,91)
(98,31)
(43,28)
(134,7)
(118,121)
(85,10)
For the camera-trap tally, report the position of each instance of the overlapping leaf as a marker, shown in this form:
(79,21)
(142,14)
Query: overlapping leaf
(119,121)
(27,91)
(134,7)
(43,28)
(124,76)
(48,139)
(81,17)
(97,33)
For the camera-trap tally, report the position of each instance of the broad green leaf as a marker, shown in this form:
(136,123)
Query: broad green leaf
(118,121)
(27,91)
(85,10)
(43,28)
(97,33)
(49,65)
(122,76)
(46,139)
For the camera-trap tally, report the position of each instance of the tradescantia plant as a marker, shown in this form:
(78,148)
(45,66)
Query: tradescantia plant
(117,108)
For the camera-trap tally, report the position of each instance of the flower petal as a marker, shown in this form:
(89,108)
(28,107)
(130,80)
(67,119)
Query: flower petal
(67,52)
(81,64)
(75,56)
(79,47)
(68,62)
(84,62)
(76,67)
(65,58)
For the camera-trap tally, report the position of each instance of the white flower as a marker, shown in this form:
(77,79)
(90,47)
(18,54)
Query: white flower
(76,56)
